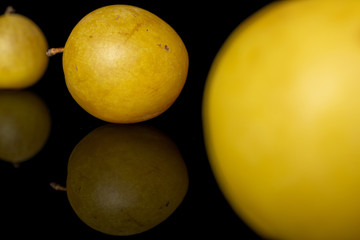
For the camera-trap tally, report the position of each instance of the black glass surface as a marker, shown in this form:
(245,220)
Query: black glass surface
(30,207)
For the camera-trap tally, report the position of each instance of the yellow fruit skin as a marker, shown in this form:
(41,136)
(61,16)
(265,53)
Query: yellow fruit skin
(281,117)
(123,64)
(23,47)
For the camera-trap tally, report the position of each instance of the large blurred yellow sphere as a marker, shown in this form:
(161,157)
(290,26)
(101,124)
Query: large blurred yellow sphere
(282,120)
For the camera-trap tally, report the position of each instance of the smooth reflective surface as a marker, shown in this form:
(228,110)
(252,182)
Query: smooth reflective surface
(24,125)
(125,179)
(30,207)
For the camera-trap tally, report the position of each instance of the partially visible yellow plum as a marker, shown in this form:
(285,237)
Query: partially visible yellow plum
(24,125)
(281,114)
(125,179)
(22,46)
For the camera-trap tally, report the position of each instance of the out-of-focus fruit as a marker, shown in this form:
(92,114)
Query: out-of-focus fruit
(282,120)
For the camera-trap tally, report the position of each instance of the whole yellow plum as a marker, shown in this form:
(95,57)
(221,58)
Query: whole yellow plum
(123,64)
(281,117)
(22,46)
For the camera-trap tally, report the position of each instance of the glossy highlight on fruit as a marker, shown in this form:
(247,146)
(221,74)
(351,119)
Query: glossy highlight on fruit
(125,179)
(24,125)
(281,119)
(123,64)
(22,46)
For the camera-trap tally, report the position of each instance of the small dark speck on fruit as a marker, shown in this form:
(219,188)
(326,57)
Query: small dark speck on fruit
(117,17)
(166,47)
(91,36)
(166,205)
(76,67)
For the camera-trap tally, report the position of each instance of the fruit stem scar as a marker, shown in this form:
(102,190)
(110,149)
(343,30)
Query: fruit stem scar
(53,51)
(9,10)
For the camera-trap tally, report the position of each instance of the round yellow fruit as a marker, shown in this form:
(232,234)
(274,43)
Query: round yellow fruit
(125,179)
(123,64)
(281,116)
(22,46)
(24,125)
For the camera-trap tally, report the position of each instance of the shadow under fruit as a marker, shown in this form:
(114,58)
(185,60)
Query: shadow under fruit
(125,179)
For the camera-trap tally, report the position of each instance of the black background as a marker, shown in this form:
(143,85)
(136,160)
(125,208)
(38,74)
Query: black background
(29,207)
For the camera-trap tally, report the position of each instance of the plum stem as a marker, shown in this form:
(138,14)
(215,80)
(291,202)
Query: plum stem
(57,186)
(9,10)
(53,51)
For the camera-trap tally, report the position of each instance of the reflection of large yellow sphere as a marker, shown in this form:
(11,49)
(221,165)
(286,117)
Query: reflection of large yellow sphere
(282,120)
(124,180)
(24,125)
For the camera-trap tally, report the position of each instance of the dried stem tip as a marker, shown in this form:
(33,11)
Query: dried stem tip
(53,51)
(57,186)
(9,10)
